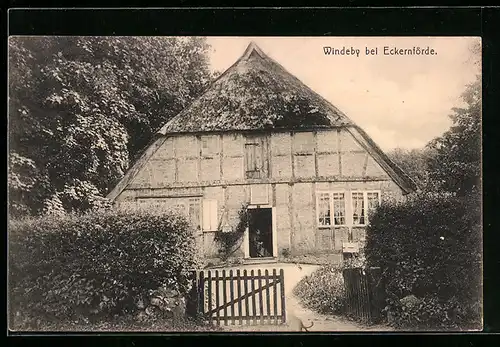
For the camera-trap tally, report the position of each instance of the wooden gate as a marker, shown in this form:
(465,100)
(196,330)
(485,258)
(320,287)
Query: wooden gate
(365,297)
(238,297)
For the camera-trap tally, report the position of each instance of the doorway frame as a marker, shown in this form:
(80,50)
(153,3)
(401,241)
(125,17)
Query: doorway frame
(246,240)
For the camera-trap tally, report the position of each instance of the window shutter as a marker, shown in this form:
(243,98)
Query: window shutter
(254,160)
(206,215)
(250,157)
(210,215)
(258,157)
(209,146)
(213,215)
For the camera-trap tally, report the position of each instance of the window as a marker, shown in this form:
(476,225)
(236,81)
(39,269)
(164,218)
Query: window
(209,146)
(253,160)
(210,220)
(373,201)
(324,209)
(151,204)
(358,209)
(191,209)
(303,142)
(363,204)
(339,208)
(259,194)
(179,208)
(194,213)
(331,204)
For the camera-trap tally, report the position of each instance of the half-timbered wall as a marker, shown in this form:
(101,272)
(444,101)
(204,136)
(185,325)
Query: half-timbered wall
(294,167)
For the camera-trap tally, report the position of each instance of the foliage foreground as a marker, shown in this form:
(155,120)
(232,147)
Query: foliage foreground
(96,267)
(82,109)
(429,248)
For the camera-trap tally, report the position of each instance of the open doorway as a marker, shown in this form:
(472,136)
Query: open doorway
(260,232)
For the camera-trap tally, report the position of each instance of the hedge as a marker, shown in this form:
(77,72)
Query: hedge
(430,247)
(96,265)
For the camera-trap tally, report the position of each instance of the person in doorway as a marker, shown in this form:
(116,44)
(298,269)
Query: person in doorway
(256,242)
(266,251)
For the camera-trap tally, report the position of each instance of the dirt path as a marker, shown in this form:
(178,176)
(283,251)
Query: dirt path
(323,323)
(326,323)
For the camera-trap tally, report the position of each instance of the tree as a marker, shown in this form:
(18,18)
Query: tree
(456,164)
(81,109)
(430,244)
(414,163)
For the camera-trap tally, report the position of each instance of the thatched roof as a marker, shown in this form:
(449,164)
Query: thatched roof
(402,179)
(256,93)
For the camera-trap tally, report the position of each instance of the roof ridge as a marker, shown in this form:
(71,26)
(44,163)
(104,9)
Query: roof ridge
(333,115)
(252,47)
(321,97)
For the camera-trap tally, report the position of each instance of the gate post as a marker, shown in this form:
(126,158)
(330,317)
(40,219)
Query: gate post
(195,302)
(282,285)
(377,293)
(200,283)
(192,297)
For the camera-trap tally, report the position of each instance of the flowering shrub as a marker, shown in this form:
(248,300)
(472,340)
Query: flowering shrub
(323,291)
(96,265)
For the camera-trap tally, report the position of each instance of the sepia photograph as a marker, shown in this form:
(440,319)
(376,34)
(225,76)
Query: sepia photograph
(257,184)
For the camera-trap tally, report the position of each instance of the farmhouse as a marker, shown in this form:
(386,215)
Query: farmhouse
(261,140)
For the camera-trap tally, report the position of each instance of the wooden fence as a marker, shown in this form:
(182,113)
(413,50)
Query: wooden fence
(365,295)
(238,297)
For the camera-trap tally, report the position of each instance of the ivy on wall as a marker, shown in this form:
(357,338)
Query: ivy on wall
(230,241)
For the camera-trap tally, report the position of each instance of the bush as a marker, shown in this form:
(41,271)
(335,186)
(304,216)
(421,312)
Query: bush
(323,291)
(96,265)
(130,323)
(430,247)
(428,313)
